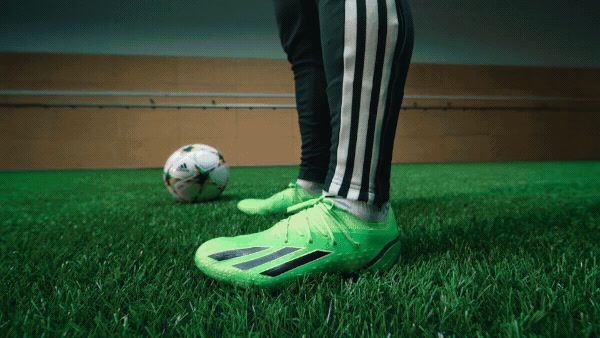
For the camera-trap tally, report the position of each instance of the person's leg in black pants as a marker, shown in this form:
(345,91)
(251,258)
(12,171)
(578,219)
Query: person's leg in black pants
(367,46)
(299,31)
(350,60)
(349,93)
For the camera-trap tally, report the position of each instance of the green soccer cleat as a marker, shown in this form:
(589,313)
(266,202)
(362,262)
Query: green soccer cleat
(277,203)
(319,238)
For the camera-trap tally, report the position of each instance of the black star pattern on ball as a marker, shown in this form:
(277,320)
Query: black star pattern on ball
(201,177)
(167,177)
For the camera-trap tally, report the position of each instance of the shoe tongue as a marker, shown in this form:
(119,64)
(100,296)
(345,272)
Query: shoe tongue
(285,192)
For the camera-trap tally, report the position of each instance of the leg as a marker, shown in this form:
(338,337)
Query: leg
(298,25)
(367,46)
(299,32)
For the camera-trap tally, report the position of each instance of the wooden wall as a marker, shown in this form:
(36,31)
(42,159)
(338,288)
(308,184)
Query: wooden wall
(41,138)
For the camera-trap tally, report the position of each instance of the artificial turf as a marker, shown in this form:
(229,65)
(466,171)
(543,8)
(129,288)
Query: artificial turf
(487,249)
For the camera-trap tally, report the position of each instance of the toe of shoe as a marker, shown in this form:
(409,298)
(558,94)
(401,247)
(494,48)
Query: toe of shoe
(245,205)
(249,206)
(201,257)
(219,270)
(207,265)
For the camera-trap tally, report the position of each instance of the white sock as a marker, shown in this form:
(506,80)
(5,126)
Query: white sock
(310,186)
(363,210)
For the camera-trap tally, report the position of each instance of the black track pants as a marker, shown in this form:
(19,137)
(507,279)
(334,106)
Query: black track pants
(350,60)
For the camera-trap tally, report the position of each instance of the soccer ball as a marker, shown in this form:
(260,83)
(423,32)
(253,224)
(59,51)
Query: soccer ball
(195,173)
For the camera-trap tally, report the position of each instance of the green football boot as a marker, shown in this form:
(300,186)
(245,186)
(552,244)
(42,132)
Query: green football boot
(277,203)
(318,238)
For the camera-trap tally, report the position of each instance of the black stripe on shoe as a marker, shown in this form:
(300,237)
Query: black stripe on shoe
(229,254)
(294,263)
(382,253)
(265,259)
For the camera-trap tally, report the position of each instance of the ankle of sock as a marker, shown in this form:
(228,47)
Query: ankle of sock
(310,186)
(367,212)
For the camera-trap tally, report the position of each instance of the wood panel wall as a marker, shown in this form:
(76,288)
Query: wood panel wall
(49,138)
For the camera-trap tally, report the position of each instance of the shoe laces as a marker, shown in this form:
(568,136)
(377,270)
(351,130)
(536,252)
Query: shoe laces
(320,206)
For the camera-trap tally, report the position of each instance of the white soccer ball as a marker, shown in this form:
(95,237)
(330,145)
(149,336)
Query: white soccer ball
(195,173)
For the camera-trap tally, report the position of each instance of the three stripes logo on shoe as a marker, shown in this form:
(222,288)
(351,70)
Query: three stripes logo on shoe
(276,270)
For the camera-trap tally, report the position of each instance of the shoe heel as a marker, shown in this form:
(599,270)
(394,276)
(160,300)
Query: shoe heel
(386,258)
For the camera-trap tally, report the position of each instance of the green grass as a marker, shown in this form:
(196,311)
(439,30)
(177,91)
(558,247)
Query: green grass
(488,249)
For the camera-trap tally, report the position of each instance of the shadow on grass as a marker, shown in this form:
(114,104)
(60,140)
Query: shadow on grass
(226,198)
(532,225)
(169,201)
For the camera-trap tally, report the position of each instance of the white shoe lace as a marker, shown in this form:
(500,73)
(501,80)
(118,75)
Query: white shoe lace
(318,206)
